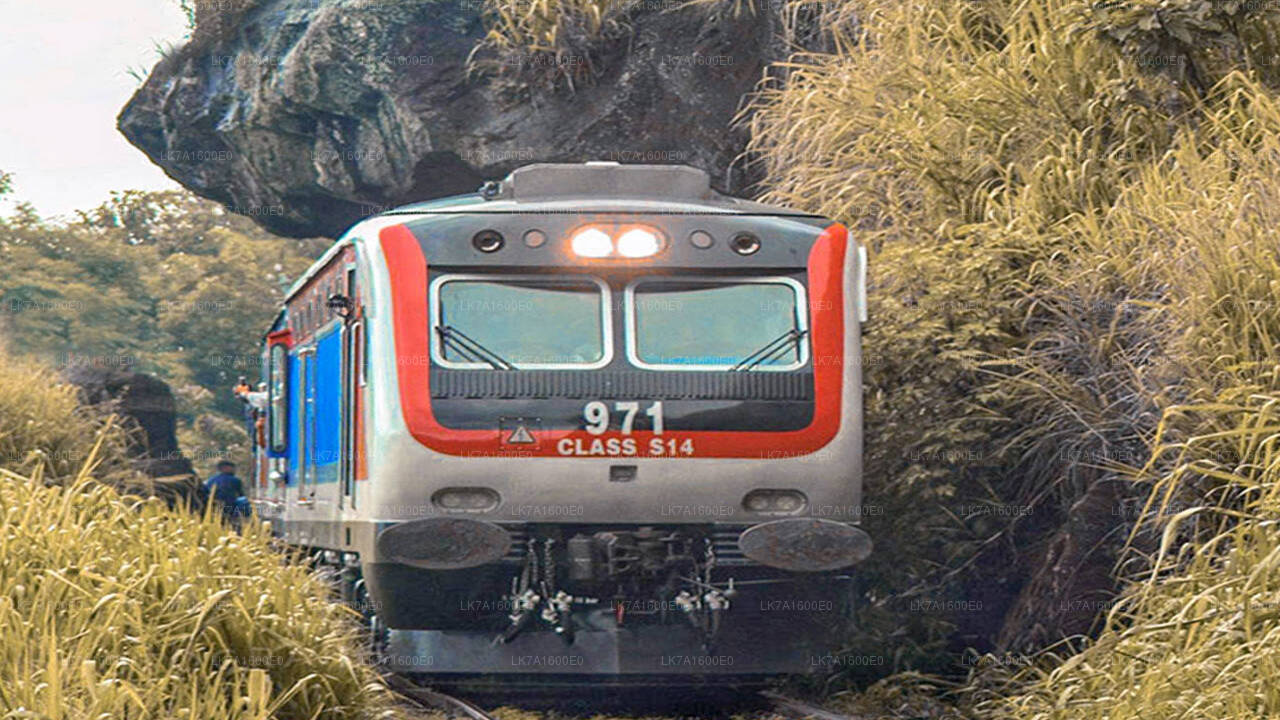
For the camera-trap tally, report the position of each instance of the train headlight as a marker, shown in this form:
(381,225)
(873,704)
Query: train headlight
(592,242)
(777,502)
(630,242)
(638,243)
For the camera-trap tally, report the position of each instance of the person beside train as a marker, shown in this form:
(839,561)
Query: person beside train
(227,490)
(254,402)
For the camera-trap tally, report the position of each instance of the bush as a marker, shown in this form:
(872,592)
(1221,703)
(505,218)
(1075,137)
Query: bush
(1195,634)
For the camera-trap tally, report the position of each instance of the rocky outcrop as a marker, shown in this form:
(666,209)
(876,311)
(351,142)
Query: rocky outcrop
(150,415)
(1071,580)
(310,114)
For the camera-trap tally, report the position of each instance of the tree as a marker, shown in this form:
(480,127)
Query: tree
(159,282)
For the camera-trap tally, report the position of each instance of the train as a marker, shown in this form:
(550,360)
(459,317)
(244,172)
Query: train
(594,424)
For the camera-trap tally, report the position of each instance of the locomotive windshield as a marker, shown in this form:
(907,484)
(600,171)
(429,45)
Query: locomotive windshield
(519,322)
(717,324)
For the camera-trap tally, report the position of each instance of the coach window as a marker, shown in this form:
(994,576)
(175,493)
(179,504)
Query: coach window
(278,417)
(520,322)
(717,324)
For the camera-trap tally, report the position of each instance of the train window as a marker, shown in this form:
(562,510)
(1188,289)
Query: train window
(520,322)
(717,324)
(278,415)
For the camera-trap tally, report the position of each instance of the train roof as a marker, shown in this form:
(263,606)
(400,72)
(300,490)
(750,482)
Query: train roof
(585,187)
(599,187)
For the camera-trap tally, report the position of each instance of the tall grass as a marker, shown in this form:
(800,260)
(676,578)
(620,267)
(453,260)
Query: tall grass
(1069,239)
(960,139)
(44,430)
(565,42)
(550,41)
(113,605)
(116,606)
(1195,635)
(1199,638)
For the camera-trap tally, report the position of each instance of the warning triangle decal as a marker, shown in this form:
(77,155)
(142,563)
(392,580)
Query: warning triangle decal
(521,436)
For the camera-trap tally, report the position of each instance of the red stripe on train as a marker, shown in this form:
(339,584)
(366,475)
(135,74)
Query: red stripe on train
(407,269)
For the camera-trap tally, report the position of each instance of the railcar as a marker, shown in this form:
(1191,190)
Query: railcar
(593,424)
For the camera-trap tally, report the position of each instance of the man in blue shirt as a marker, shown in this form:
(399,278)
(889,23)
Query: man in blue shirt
(226,489)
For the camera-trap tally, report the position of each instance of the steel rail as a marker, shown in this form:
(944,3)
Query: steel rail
(801,710)
(434,699)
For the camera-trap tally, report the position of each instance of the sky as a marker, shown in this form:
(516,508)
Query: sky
(66,77)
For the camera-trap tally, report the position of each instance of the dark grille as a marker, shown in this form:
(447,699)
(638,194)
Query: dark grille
(725,543)
(595,384)
(519,543)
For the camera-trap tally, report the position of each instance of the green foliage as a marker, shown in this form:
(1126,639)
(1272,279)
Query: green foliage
(155,282)
(211,21)
(189,12)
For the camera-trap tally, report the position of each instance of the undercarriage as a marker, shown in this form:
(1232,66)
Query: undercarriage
(618,605)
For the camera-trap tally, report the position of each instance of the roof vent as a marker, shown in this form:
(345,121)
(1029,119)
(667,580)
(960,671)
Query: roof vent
(595,179)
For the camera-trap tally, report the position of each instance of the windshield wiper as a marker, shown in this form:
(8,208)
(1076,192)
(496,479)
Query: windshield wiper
(777,345)
(469,349)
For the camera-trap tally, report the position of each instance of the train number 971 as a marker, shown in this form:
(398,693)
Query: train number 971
(596,414)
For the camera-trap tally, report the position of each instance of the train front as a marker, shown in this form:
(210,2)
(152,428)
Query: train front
(620,436)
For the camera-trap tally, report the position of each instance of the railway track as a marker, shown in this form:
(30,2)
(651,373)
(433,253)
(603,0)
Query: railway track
(427,698)
(434,700)
(800,710)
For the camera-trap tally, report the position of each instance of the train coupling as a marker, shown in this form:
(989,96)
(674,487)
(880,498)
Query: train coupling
(557,613)
(705,613)
(523,607)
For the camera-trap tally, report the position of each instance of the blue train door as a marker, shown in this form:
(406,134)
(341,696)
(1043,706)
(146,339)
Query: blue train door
(307,428)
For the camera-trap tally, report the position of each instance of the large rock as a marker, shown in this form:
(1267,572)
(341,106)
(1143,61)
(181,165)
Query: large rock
(150,414)
(310,114)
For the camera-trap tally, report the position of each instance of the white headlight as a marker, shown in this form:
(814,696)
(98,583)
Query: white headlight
(638,242)
(592,242)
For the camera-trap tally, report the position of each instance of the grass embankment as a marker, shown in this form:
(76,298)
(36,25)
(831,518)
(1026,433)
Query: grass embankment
(113,605)
(1076,281)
